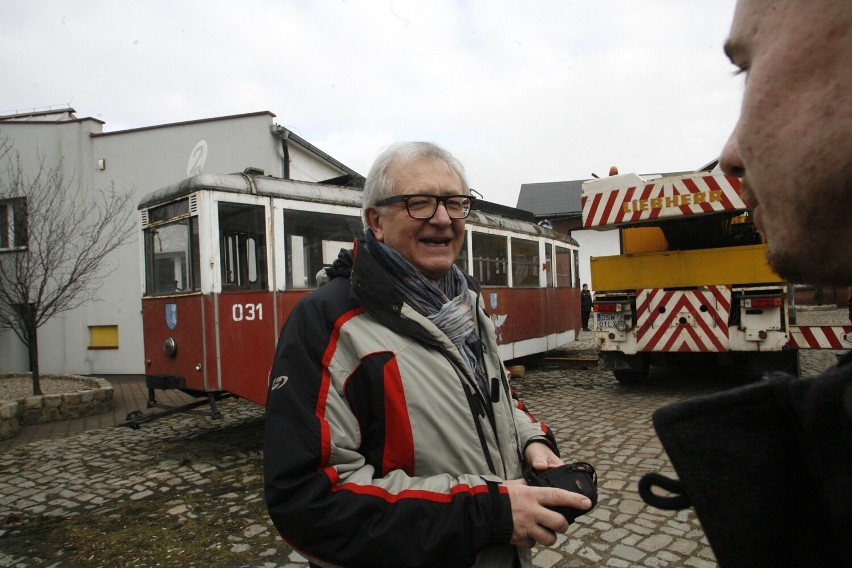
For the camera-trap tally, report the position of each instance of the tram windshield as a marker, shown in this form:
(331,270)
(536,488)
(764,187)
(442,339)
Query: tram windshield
(171,252)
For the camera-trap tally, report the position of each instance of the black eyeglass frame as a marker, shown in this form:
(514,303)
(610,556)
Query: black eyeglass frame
(438,200)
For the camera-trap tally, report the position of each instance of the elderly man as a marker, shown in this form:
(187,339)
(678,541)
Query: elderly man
(768,467)
(392,438)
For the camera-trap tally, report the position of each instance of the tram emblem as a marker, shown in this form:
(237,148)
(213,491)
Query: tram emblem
(493,300)
(171,316)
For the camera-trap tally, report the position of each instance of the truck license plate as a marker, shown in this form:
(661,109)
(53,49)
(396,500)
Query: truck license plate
(606,321)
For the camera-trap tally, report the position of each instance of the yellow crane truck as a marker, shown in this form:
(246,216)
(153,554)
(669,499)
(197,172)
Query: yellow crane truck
(691,281)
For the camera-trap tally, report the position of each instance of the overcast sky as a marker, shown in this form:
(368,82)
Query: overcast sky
(521,91)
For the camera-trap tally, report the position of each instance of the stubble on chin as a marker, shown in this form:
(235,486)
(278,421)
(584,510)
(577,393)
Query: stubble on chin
(783,263)
(804,252)
(780,257)
(805,261)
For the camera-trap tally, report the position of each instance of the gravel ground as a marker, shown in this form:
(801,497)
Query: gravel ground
(21,386)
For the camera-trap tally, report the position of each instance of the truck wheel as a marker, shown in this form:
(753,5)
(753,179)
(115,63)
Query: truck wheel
(774,361)
(628,369)
(630,377)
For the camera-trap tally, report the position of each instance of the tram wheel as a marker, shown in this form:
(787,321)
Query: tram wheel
(133,416)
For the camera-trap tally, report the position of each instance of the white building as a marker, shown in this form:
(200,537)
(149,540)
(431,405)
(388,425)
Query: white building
(105,337)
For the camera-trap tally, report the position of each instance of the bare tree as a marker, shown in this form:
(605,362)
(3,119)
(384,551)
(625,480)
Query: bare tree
(54,237)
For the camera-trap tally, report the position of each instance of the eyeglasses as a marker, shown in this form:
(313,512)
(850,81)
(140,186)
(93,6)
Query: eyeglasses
(424,206)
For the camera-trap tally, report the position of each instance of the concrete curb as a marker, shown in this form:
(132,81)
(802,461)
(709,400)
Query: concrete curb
(54,407)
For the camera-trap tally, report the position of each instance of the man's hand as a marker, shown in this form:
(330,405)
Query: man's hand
(541,457)
(532,521)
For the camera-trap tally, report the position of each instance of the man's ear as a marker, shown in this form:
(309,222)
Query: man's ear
(374,221)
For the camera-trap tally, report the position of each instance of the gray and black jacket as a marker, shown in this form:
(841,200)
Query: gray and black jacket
(380,448)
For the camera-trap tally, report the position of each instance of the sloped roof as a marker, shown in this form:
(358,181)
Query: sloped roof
(552,198)
(564,198)
(350,177)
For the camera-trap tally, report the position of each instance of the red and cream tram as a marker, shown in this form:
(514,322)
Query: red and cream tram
(226,257)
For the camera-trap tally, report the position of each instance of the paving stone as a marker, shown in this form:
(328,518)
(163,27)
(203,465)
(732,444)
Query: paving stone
(546,558)
(614,535)
(655,542)
(694,562)
(628,553)
(683,546)
(590,555)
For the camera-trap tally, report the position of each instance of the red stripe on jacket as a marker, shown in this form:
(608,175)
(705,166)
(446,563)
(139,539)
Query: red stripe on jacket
(399,441)
(322,396)
(421,494)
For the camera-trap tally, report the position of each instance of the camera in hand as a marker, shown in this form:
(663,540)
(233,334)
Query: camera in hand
(579,477)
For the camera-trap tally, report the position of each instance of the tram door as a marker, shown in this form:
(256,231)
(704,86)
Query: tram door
(243,246)
(244,310)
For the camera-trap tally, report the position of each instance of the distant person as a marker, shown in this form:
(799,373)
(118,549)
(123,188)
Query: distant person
(768,466)
(392,438)
(849,291)
(585,306)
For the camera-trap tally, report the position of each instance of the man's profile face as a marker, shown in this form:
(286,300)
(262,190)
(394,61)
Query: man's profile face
(430,245)
(792,142)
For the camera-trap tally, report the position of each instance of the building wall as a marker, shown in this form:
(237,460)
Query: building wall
(806,294)
(594,243)
(50,143)
(303,168)
(137,161)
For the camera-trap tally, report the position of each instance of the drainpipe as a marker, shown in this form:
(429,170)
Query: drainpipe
(283,134)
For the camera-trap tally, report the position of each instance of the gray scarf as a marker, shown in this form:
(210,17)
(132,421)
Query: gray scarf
(447,305)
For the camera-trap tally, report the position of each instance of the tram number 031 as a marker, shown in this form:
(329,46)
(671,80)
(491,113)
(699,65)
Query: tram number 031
(247,312)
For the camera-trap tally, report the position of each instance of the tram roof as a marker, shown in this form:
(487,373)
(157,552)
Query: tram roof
(517,225)
(254,184)
(250,183)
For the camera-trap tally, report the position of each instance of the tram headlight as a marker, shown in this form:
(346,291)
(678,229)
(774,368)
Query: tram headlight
(621,325)
(170,347)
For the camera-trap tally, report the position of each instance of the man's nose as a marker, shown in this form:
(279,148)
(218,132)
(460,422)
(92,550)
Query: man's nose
(730,160)
(442,215)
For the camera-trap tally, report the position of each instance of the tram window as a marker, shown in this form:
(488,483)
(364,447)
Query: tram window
(525,263)
(168,211)
(548,261)
(313,241)
(243,246)
(251,254)
(490,254)
(563,267)
(171,257)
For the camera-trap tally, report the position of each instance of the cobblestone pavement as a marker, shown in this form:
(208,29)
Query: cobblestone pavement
(187,481)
